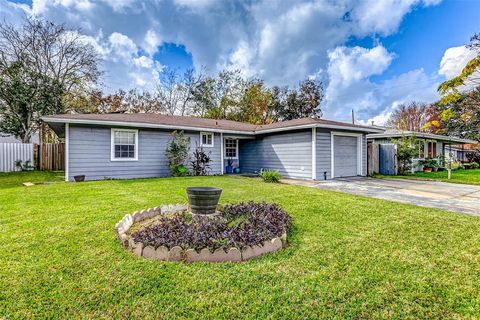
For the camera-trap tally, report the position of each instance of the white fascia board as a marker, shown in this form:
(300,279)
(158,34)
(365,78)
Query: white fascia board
(420,135)
(141,125)
(175,127)
(320,126)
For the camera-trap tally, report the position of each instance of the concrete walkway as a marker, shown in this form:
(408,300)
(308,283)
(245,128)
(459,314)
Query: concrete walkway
(460,198)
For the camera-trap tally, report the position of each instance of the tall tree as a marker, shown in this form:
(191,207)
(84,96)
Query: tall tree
(411,117)
(25,96)
(304,102)
(255,105)
(219,97)
(52,50)
(46,52)
(469,76)
(175,91)
(462,117)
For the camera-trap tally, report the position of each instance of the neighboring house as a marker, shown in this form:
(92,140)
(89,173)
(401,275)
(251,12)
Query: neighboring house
(431,146)
(103,146)
(459,152)
(5,138)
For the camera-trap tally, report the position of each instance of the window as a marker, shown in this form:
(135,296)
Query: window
(231,148)
(124,145)
(206,139)
(432,149)
(421,153)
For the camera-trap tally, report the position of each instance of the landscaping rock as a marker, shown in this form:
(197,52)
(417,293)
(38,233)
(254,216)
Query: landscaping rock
(124,240)
(234,255)
(137,216)
(164,210)
(272,245)
(127,222)
(192,256)
(250,252)
(284,238)
(162,253)
(138,248)
(149,252)
(175,254)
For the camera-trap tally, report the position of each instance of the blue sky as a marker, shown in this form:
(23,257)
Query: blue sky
(371,55)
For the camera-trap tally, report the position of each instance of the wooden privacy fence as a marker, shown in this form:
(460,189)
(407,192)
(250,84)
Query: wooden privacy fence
(382,158)
(10,153)
(51,156)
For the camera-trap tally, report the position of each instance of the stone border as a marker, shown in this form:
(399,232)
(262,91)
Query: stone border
(189,255)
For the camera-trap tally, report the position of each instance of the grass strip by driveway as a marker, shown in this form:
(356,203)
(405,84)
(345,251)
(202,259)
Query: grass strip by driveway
(349,257)
(470,176)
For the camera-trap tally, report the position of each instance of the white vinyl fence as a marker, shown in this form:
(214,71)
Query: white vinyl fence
(11,152)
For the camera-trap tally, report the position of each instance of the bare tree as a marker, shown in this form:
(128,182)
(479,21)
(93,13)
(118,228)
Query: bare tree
(176,91)
(51,50)
(412,117)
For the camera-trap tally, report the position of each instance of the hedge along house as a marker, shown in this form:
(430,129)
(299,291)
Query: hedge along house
(430,146)
(124,146)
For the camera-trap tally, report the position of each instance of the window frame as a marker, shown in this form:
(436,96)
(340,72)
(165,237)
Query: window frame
(112,144)
(225,148)
(201,139)
(432,149)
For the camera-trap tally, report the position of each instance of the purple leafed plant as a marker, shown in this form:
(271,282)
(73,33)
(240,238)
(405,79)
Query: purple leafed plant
(239,225)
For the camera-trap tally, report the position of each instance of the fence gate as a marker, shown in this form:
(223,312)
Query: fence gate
(388,157)
(10,153)
(51,156)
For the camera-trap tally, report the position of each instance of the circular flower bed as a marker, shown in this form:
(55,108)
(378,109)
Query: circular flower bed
(237,233)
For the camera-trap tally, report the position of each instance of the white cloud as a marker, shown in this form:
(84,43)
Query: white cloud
(383,16)
(280,41)
(348,65)
(454,60)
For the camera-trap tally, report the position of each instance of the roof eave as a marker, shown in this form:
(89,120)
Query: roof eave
(421,135)
(317,125)
(199,128)
(141,125)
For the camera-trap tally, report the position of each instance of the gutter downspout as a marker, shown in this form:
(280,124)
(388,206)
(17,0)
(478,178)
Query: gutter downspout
(314,153)
(221,153)
(67,137)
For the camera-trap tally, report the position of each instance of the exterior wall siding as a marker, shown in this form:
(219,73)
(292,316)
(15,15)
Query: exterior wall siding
(324,154)
(289,153)
(90,147)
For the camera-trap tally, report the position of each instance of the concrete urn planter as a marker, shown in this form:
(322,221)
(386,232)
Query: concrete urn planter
(203,200)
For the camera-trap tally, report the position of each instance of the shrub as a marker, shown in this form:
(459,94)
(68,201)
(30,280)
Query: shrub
(201,162)
(24,166)
(407,148)
(474,165)
(240,225)
(271,176)
(177,154)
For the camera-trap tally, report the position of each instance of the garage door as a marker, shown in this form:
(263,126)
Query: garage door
(345,156)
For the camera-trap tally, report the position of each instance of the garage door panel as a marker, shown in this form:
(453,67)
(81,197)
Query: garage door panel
(345,156)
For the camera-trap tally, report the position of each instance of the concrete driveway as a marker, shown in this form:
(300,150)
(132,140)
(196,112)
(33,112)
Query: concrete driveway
(442,195)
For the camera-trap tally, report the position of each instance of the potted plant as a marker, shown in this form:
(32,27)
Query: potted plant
(79,178)
(229,167)
(429,165)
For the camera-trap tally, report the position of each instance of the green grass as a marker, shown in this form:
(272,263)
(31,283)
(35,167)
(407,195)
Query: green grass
(349,257)
(15,179)
(471,176)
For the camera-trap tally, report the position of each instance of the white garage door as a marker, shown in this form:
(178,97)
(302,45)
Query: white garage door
(345,156)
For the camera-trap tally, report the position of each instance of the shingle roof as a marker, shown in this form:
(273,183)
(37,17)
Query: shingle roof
(139,119)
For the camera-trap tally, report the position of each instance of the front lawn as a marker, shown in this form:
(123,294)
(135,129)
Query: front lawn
(471,176)
(349,257)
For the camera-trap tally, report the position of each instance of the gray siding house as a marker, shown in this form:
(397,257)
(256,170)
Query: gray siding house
(430,146)
(123,146)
